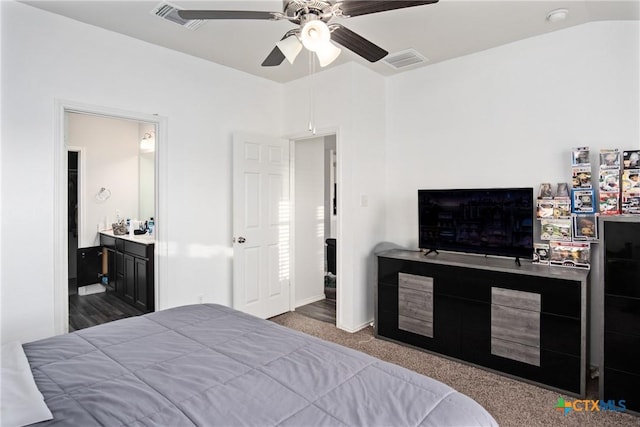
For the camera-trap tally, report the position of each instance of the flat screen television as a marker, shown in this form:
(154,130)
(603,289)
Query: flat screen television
(489,221)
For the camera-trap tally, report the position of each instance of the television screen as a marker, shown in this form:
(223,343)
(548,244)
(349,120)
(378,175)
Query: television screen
(492,221)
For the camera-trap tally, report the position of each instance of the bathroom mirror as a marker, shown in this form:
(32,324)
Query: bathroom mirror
(146,171)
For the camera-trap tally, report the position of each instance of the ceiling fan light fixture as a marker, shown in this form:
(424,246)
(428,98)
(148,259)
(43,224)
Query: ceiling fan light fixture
(290,47)
(315,35)
(327,54)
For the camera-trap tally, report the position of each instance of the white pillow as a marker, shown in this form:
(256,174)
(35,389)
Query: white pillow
(21,403)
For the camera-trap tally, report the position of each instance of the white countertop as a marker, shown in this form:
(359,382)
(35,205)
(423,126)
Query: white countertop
(145,239)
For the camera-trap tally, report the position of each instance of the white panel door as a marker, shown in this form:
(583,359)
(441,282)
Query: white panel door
(261,225)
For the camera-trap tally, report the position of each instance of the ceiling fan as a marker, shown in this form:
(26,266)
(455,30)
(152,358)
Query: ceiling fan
(315,31)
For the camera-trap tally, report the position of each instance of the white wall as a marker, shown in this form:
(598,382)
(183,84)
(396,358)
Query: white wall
(349,101)
(111,161)
(509,116)
(309,220)
(47,57)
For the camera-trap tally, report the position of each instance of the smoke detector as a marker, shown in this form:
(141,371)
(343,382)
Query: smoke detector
(557,15)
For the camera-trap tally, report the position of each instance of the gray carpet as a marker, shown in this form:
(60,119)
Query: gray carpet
(511,402)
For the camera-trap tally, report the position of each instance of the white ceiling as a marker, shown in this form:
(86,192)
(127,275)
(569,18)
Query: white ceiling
(440,31)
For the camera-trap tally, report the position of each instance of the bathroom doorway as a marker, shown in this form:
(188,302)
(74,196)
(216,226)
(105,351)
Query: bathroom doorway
(110,176)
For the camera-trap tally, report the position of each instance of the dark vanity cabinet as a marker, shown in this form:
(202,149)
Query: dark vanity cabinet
(129,267)
(526,321)
(620,332)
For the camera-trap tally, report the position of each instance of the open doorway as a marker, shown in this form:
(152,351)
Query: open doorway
(111,179)
(315,225)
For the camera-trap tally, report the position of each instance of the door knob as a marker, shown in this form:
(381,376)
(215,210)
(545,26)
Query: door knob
(241,240)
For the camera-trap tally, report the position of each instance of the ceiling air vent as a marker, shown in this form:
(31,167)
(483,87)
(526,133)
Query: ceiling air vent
(170,13)
(404,59)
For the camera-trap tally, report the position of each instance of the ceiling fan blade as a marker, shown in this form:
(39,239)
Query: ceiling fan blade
(357,44)
(363,7)
(274,58)
(225,14)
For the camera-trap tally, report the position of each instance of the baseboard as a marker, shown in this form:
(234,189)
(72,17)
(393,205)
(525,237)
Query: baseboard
(96,288)
(309,300)
(357,328)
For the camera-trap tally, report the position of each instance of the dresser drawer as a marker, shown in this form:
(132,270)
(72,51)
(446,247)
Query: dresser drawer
(515,351)
(622,386)
(137,249)
(622,352)
(516,299)
(418,283)
(107,241)
(513,324)
(415,304)
(622,240)
(622,315)
(622,277)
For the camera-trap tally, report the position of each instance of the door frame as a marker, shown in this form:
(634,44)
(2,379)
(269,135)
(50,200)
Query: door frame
(341,293)
(60,231)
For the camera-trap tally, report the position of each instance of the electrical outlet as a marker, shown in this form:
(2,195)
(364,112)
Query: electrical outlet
(200,299)
(117,213)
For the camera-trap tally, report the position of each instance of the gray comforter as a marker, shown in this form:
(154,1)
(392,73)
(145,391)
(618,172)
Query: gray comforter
(209,365)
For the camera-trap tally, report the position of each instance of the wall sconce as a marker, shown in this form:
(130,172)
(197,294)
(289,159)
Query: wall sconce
(148,143)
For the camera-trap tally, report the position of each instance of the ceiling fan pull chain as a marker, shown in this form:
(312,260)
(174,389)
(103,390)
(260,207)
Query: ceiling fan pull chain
(312,127)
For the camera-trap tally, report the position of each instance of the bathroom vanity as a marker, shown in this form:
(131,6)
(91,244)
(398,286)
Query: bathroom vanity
(128,263)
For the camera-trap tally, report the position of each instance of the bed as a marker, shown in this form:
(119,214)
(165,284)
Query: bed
(210,365)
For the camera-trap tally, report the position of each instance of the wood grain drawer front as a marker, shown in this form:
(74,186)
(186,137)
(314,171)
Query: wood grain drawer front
(514,351)
(419,283)
(515,325)
(420,327)
(415,304)
(516,299)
